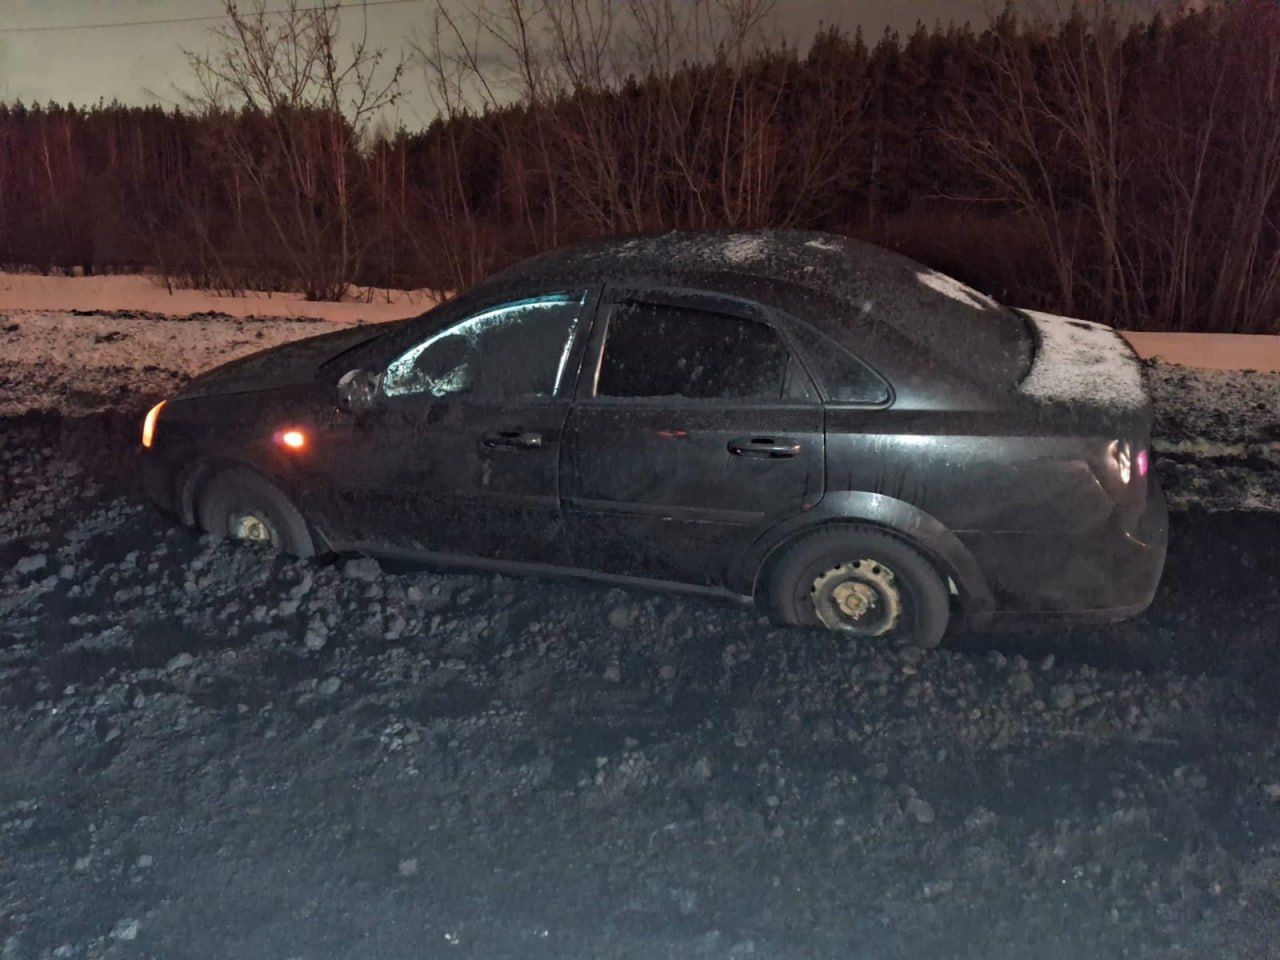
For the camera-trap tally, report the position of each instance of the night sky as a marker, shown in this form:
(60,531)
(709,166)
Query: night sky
(145,64)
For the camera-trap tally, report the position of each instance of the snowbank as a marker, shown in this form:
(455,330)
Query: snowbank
(1209,351)
(135,292)
(78,363)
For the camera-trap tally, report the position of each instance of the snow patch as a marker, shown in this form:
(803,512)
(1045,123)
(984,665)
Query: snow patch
(1083,363)
(744,247)
(955,290)
(821,243)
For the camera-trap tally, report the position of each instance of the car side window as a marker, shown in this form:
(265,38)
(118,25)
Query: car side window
(511,351)
(658,350)
(844,378)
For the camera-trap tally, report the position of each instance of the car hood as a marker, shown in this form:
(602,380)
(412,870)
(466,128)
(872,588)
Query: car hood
(287,365)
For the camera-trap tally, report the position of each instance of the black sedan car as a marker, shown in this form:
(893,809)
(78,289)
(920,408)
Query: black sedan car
(851,439)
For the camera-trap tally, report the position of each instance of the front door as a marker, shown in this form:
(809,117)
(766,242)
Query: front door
(461,456)
(694,431)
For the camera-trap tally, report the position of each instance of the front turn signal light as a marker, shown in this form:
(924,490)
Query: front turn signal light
(149,424)
(293,439)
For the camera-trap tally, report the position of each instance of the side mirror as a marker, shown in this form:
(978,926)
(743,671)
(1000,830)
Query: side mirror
(358,390)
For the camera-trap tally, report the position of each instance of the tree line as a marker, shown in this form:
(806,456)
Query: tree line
(1116,168)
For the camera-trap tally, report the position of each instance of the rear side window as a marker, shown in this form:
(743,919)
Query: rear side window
(844,378)
(656,350)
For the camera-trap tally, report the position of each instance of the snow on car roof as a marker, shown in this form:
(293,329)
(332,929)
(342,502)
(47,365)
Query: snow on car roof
(1083,363)
(868,286)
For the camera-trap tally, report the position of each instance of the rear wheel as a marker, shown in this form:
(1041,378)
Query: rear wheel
(243,505)
(858,581)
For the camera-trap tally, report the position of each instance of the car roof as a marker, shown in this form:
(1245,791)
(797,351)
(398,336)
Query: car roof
(856,287)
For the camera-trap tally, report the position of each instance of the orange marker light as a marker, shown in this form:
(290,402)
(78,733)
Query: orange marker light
(149,424)
(294,439)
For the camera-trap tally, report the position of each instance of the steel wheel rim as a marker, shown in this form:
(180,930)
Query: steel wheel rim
(251,526)
(861,597)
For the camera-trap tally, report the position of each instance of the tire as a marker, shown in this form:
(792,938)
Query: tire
(242,504)
(860,581)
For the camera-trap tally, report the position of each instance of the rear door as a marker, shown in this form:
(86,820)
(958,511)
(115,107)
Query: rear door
(694,430)
(462,454)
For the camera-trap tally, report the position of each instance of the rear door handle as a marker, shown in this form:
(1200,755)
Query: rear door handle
(764,448)
(520,439)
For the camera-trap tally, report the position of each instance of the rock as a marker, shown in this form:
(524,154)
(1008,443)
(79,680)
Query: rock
(1062,696)
(613,673)
(145,861)
(179,662)
(937,888)
(702,769)
(1021,682)
(329,686)
(82,863)
(126,929)
(979,819)
(362,568)
(316,637)
(1272,791)
(667,672)
(1047,663)
(409,868)
(620,617)
(30,564)
(919,810)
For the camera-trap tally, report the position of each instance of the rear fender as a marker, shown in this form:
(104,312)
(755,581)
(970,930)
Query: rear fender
(912,524)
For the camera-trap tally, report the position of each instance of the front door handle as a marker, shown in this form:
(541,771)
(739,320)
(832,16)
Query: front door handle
(764,448)
(520,439)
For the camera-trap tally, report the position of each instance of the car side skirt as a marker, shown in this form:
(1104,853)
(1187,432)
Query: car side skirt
(548,571)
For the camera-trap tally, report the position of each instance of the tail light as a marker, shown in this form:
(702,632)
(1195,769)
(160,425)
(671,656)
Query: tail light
(1142,462)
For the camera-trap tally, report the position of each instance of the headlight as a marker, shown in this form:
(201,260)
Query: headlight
(1122,459)
(149,424)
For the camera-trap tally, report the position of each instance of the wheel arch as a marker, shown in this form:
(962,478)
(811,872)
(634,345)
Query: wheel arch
(906,522)
(195,477)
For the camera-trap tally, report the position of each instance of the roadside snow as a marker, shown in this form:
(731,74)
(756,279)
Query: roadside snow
(81,362)
(140,292)
(1083,363)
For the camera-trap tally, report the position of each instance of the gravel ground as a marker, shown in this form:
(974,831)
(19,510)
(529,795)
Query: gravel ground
(1217,437)
(211,751)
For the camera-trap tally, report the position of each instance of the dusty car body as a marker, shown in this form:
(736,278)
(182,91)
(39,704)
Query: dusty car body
(850,438)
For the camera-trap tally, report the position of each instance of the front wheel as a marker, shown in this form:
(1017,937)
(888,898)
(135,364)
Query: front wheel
(243,505)
(858,581)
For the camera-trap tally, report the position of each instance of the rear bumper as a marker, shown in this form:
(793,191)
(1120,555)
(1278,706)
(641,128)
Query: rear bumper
(1097,576)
